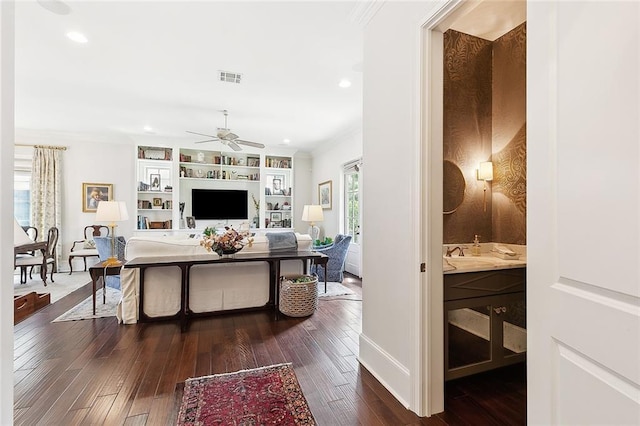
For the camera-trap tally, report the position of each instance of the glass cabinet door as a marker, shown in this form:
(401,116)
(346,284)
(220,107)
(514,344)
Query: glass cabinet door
(468,336)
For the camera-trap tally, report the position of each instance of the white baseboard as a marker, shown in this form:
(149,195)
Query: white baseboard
(387,370)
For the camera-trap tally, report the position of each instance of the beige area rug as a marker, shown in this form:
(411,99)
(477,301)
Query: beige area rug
(63,285)
(333,289)
(84,309)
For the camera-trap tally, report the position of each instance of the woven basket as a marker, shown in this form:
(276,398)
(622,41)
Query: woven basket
(298,299)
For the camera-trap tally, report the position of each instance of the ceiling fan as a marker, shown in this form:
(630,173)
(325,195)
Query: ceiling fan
(228,138)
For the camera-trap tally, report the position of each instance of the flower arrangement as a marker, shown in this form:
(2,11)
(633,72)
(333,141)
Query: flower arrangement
(256,203)
(229,242)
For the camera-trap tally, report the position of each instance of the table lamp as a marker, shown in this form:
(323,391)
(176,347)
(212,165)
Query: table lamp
(112,212)
(313,213)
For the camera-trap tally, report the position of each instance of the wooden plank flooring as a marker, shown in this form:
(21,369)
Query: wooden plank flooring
(99,372)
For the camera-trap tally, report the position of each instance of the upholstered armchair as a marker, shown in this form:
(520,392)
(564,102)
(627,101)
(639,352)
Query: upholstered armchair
(337,254)
(103,244)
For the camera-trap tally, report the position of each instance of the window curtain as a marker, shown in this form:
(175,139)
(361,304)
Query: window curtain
(46,191)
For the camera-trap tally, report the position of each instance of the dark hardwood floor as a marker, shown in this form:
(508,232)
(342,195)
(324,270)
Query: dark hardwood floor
(99,372)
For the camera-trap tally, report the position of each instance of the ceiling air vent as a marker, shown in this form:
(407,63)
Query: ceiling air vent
(230,77)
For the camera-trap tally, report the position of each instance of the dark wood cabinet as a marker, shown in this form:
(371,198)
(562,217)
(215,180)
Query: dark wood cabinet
(485,320)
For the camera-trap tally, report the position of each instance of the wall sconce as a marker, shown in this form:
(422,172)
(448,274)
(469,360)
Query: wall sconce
(485,173)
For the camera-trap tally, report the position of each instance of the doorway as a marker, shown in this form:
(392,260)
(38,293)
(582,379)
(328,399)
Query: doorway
(457,16)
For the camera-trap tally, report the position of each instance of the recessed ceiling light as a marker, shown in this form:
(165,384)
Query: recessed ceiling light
(77,37)
(286,141)
(148,129)
(344,83)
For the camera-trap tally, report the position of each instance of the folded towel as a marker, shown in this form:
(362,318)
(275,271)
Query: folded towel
(282,241)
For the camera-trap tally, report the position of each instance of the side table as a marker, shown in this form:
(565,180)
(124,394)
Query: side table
(102,269)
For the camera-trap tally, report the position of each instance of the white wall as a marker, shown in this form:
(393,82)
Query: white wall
(301,193)
(391,252)
(86,160)
(6,213)
(327,165)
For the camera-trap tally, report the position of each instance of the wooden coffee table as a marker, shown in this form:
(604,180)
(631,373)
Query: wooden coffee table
(102,269)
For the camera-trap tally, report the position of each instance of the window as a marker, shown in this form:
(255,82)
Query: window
(22,184)
(352,201)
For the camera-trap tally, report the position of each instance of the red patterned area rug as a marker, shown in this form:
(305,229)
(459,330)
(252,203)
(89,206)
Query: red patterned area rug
(261,396)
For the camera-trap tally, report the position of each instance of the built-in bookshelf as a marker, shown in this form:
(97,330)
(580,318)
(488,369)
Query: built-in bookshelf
(154,188)
(268,180)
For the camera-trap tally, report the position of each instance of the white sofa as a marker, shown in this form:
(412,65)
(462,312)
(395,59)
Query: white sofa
(213,287)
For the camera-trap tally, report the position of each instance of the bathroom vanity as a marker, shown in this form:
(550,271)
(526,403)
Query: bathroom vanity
(484,309)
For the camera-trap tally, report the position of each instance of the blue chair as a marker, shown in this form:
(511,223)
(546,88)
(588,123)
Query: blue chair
(337,253)
(103,244)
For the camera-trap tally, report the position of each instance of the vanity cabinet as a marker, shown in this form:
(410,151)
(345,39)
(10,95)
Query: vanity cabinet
(485,320)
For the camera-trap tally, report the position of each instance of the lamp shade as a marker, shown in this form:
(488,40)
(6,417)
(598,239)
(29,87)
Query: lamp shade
(312,213)
(19,236)
(485,172)
(112,211)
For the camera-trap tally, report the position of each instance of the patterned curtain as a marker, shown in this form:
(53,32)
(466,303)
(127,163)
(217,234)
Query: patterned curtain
(46,191)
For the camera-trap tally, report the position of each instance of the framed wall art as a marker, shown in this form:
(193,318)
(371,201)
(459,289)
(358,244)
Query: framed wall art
(93,193)
(325,194)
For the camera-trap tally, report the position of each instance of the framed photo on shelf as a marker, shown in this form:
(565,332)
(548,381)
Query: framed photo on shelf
(276,216)
(191,222)
(93,193)
(157,202)
(325,194)
(154,182)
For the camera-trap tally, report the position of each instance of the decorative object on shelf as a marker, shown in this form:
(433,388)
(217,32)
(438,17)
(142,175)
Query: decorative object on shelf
(168,188)
(157,203)
(112,212)
(181,206)
(313,213)
(191,222)
(154,182)
(325,194)
(276,217)
(200,157)
(227,243)
(94,193)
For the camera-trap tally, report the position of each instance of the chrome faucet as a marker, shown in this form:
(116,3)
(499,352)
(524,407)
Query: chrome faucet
(451,250)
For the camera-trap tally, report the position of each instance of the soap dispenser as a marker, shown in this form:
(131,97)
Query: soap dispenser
(476,250)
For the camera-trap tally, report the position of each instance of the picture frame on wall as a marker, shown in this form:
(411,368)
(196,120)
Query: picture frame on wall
(325,194)
(93,193)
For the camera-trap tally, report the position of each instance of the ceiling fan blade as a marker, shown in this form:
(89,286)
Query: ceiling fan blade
(200,134)
(234,146)
(249,143)
(208,140)
(230,136)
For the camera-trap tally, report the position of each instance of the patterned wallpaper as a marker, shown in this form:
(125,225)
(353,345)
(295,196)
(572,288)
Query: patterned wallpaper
(485,120)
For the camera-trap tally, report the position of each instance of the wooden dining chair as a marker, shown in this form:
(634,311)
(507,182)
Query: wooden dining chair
(37,260)
(87,248)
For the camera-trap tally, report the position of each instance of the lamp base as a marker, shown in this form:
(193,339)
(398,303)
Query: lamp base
(314,231)
(112,261)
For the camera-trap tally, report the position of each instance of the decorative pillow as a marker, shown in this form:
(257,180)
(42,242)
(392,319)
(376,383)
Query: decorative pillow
(89,244)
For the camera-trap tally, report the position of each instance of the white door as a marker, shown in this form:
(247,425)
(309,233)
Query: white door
(583,287)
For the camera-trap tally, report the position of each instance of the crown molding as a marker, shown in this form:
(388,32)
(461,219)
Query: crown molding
(364,11)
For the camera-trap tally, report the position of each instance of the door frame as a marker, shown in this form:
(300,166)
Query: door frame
(427,363)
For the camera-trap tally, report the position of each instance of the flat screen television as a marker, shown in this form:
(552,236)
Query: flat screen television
(219,204)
